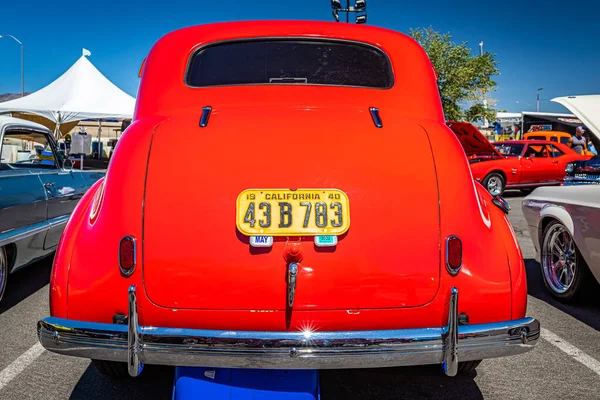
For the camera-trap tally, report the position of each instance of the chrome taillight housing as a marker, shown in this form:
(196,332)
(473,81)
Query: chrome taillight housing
(127,255)
(453,254)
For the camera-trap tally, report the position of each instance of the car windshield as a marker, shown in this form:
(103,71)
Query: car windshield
(510,149)
(312,62)
(536,138)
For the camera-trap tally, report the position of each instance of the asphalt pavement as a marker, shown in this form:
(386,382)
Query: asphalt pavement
(565,364)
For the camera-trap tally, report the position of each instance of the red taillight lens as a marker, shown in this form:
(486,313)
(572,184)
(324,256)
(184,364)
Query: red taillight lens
(127,255)
(453,254)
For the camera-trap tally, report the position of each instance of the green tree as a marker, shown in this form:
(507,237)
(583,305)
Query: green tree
(464,79)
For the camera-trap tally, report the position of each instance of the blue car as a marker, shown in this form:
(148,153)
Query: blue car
(38,192)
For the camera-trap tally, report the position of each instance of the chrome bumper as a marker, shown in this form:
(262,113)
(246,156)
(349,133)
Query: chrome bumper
(138,345)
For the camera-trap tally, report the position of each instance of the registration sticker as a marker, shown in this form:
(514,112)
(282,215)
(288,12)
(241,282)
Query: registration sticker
(326,240)
(261,241)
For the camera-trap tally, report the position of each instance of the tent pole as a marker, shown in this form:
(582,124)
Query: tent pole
(99,142)
(57,128)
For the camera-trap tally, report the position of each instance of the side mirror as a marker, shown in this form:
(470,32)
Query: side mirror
(67,164)
(501,204)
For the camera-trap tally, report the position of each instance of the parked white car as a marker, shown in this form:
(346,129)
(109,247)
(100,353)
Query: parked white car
(564,221)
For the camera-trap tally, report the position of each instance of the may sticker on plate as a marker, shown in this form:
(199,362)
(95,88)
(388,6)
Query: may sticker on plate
(261,241)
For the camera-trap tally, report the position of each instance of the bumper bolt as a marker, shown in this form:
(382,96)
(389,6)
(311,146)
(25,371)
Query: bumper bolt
(56,338)
(293,352)
(524,335)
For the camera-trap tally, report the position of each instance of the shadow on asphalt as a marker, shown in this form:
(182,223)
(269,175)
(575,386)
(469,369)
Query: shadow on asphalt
(26,282)
(422,382)
(586,310)
(155,383)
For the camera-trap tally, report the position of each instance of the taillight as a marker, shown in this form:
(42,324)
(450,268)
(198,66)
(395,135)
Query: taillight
(453,254)
(127,255)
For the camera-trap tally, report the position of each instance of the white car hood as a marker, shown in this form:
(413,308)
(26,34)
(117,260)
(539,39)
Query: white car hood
(586,108)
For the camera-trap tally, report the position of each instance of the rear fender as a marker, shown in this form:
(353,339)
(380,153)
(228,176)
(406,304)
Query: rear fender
(59,278)
(86,273)
(514,256)
(466,211)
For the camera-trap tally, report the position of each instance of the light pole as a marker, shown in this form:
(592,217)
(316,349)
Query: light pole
(485,120)
(537,106)
(22,61)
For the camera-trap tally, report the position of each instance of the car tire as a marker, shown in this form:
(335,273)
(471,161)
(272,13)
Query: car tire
(574,277)
(112,369)
(467,367)
(494,183)
(3,271)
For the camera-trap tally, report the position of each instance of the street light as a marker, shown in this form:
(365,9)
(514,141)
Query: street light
(360,6)
(22,61)
(537,108)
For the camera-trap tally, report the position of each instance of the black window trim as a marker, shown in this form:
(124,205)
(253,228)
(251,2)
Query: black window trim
(28,129)
(555,149)
(198,49)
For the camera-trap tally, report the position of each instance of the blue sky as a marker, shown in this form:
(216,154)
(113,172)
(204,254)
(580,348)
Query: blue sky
(549,44)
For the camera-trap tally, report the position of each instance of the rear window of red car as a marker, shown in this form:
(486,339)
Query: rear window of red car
(284,61)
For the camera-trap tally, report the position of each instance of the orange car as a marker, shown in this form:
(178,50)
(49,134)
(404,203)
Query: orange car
(296,232)
(553,136)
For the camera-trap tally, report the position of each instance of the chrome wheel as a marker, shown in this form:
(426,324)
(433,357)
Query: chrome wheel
(495,185)
(559,259)
(3,271)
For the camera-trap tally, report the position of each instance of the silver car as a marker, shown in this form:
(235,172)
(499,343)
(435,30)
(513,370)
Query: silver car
(564,222)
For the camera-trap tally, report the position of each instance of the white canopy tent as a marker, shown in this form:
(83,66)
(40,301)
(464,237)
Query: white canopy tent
(80,93)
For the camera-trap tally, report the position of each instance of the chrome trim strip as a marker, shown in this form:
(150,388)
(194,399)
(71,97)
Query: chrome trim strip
(205,116)
(14,235)
(287,350)
(128,272)
(450,364)
(134,365)
(452,271)
(375,116)
(532,185)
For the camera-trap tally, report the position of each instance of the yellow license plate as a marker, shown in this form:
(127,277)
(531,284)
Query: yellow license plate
(285,212)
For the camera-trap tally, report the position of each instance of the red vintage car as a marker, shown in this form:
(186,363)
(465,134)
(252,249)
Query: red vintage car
(261,212)
(514,164)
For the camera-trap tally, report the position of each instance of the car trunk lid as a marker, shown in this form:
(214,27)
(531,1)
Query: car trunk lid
(194,256)
(472,140)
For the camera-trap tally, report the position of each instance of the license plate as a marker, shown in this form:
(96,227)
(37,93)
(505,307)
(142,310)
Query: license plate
(285,212)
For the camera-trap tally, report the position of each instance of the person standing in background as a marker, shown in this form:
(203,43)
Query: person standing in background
(578,142)
(590,145)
